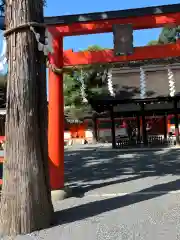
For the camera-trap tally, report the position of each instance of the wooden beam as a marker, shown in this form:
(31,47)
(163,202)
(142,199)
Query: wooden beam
(104,26)
(107,56)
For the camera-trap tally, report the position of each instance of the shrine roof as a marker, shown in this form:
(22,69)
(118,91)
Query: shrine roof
(102,104)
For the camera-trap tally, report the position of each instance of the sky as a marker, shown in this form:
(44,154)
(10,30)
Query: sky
(66,7)
(141,38)
(60,7)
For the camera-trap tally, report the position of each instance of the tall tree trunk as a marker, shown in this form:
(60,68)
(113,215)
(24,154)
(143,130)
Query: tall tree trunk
(26,202)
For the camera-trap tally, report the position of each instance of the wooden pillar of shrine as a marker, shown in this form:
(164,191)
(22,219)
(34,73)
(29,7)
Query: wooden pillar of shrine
(113,133)
(138,129)
(176,122)
(144,132)
(165,127)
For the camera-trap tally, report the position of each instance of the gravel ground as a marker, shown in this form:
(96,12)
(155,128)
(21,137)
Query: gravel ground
(120,195)
(130,217)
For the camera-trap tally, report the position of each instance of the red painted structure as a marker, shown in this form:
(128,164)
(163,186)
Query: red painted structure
(56,119)
(152,19)
(107,56)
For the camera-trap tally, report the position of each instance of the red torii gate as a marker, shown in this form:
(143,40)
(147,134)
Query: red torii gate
(60,27)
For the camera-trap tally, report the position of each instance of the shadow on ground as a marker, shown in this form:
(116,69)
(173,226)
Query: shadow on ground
(91,169)
(98,207)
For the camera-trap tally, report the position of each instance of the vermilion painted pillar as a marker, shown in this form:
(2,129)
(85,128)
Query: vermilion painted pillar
(56,119)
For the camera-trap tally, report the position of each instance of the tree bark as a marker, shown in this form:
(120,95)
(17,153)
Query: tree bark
(26,201)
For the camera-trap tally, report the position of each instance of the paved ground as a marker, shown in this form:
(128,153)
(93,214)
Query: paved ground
(120,195)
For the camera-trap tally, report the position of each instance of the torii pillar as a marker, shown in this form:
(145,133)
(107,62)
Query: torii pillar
(56,118)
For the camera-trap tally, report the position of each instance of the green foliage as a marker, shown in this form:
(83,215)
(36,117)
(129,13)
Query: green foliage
(74,106)
(94,48)
(94,86)
(169,35)
(153,42)
(72,94)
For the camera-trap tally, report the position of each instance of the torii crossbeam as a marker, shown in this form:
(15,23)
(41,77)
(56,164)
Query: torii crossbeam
(59,27)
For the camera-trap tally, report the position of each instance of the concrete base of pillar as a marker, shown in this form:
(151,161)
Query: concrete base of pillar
(61,194)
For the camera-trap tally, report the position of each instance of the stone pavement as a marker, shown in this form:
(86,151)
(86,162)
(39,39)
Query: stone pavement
(119,195)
